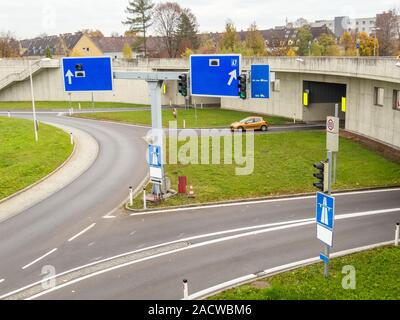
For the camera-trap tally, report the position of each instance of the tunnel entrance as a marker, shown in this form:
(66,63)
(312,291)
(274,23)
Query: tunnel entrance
(322,99)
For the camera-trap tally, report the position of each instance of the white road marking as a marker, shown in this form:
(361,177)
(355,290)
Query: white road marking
(109,215)
(272,271)
(247,203)
(82,232)
(2,280)
(281,226)
(40,258)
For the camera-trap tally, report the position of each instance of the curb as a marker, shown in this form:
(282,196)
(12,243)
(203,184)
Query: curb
(47,176)
(204,294)
(238,201)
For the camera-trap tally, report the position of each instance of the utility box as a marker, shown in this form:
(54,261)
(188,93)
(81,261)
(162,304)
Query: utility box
(182,185)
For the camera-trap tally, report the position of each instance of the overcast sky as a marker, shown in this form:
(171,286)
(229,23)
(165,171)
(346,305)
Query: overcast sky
(27,18)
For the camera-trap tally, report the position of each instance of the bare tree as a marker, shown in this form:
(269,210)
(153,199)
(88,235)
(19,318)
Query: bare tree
(167,18)
(386,32)
(9,46)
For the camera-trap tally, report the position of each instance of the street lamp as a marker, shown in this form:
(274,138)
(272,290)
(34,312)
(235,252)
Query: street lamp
(35,124)
(375,38)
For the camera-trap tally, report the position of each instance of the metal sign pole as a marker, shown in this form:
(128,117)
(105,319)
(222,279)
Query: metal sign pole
(33,103)
(335,153)
(327,249)
(156,117)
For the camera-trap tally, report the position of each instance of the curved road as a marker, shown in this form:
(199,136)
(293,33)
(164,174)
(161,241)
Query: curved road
(207,245)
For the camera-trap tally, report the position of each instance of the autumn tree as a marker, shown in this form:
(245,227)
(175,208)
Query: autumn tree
(304,38)
(230,40)
(367,44)
(207,45)
(93,33)
(127,51)
(348,43)
(255,41)
(139,19)
(387,28)
(9,46)
(328,45)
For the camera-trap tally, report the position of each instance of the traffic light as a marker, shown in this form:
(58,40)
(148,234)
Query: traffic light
(322,176)
(242,86)
(183,85)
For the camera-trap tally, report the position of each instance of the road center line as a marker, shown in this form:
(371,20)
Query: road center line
(82,232)
(40,258)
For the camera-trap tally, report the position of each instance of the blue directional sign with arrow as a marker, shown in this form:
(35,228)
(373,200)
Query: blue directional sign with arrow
(87,74)
(215,75)
(260,81)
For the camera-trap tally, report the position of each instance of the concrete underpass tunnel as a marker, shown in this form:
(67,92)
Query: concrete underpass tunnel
(322,98)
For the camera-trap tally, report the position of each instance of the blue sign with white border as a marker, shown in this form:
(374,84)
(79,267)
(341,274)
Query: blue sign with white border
(325,211)
(324,258)
(260,81)
(215,75)
(87,74)
(155,158)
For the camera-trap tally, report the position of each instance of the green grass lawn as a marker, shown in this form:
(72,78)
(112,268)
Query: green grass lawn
(48,105)
(206,118)
(22,160)
(376,279)
(283,164)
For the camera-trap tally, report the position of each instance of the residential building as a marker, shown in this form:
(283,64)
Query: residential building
(114,46)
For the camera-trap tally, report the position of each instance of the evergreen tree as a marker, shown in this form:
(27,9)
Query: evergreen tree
(139,18)
(187,31)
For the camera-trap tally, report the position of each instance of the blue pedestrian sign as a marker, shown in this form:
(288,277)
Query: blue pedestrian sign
(215,75)
(155,159)
(260,81)
(87,74)
(325,211)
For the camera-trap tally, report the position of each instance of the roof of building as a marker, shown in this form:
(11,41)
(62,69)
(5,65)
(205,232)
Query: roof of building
(39,45)
(112,44)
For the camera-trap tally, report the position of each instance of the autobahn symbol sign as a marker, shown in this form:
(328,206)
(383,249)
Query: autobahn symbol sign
(325,218)
(155,163)
(87,74)
(215,75)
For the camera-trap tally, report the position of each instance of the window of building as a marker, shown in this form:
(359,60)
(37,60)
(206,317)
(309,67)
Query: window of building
(396,100)
(363,22)
(379,94)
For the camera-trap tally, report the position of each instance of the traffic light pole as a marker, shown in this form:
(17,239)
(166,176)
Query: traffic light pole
(327,248)
(155,81)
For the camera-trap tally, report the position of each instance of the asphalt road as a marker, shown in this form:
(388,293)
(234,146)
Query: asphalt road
(207,246)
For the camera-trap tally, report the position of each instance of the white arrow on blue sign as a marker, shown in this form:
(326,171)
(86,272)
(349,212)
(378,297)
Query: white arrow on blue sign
(215,75)
(87,74)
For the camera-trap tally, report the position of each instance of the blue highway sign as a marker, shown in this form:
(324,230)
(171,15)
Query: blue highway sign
(87,74)
(324,258)
(155,159)
(260,82)
(215,75)
(325,211)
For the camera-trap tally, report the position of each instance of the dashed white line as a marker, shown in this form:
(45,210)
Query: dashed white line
(40,258)
(2,280)
(82,232)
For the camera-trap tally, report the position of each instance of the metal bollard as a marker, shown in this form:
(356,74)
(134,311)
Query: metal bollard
(131,196)
(396,238)
(185,290)
(144,199)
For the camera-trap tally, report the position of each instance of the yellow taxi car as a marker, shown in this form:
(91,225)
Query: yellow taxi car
(250,123)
